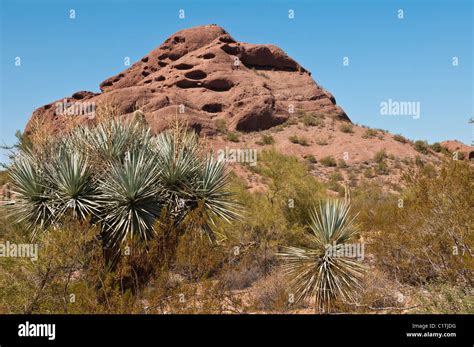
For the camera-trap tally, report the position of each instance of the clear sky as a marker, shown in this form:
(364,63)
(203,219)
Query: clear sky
(408,59)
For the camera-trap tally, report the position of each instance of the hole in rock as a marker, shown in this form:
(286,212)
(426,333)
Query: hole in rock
(145,60)
(219,85)
(226,39)
(232,50)
(175,56)
(209,56)
(162,63)
(179,39)
(183,66)
(160,78)
(195,75)
(185,84)
(212,108)
(145,73)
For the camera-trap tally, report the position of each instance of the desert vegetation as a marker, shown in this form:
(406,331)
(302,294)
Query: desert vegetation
(130,222)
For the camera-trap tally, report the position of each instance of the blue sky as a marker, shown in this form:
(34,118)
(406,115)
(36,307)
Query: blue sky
(406,59)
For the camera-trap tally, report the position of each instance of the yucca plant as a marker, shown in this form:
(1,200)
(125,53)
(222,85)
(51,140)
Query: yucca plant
(30,185)
(109,141)
(131,197)
(193,182)
(315,273)
(72,184)
(118,175)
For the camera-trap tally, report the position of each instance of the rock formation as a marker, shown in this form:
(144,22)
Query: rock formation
(203,74)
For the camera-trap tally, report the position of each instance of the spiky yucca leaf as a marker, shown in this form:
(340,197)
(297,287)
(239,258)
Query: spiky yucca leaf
(177,154)
(130,193)
(210,190)
(109,141)
(33,197)
(316,273)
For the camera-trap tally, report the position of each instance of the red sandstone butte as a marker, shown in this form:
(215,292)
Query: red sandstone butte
(251,86)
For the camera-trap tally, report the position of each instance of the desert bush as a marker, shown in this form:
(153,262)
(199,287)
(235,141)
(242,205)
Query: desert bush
(311,120)
(427,239)
(421,146)
(298,140)
(233,136)
(436,147)
(64,278)
(400,138)
(382,168)
(289,184)
(346,128)
(341,163)
(221,125)
(328,161)
(266,140)
(368,173)
(444,298)
(311,159)
(380,156)
(270,294)
(369,133)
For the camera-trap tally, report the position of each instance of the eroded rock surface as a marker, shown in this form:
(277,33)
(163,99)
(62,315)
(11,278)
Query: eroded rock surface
(253,87)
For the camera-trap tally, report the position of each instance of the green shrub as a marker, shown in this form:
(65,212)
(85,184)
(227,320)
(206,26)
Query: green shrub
(436,147)
(380,156)
(298,140)
(369,133)
(346,128)
(426,240)
(400,138)
(311,158)
(328,161)
(336,176)
(341,163)
(368,173)
(266,140)
(233,136)
(382,168)
(311,120)
(421,146)
(221,125)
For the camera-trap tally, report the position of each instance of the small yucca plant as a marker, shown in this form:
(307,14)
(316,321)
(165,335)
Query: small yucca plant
(317,274)
(72,185)
(30,185)
(131,198)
